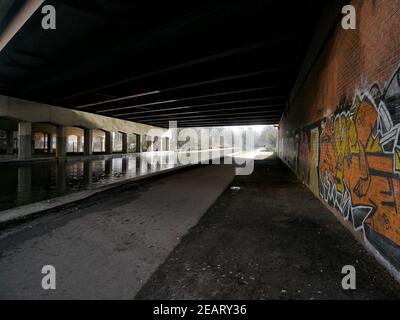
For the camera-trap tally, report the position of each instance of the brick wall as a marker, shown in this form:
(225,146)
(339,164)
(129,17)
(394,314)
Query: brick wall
(341,132)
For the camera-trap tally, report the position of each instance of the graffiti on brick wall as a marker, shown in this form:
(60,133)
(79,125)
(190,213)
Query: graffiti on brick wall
(351,159)
(359,172)
(314,158)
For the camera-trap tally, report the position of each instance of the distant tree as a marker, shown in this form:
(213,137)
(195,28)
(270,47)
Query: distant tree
(271,139)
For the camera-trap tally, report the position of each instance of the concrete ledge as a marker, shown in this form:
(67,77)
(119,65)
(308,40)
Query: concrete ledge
(71,158)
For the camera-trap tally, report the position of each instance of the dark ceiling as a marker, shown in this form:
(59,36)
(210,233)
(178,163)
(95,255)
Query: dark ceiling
(200,62)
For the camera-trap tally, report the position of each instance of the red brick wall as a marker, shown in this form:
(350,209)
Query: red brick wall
(341,132)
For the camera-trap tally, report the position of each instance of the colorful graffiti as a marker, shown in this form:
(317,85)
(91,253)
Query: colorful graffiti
(351,160)
(314,158)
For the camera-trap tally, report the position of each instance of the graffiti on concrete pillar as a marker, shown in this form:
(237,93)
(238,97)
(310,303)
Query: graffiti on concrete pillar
(351,160)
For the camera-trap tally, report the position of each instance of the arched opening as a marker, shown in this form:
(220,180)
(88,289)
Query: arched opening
(118,141)
(99,141)
(75,140)
(44,139)
(147,142)
(133,142)
(41,142)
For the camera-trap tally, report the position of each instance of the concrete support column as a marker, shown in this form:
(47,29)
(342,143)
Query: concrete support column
(10,142)
(88,142)
(124,142)
(166,146)
(61,151)
(24,140)
(109,142)
(138,143)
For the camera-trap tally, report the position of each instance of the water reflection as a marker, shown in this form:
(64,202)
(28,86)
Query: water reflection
(27,184)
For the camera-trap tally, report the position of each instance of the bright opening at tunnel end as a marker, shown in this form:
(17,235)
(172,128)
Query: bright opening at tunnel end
(237,145)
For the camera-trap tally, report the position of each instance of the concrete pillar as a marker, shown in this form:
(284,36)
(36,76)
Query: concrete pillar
(10,142)
(88,142)
(109,142)
(24,140)
(165,144)
(124,142)
(61,151)
(138,143)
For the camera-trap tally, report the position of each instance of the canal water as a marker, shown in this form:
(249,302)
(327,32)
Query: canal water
(25,184)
